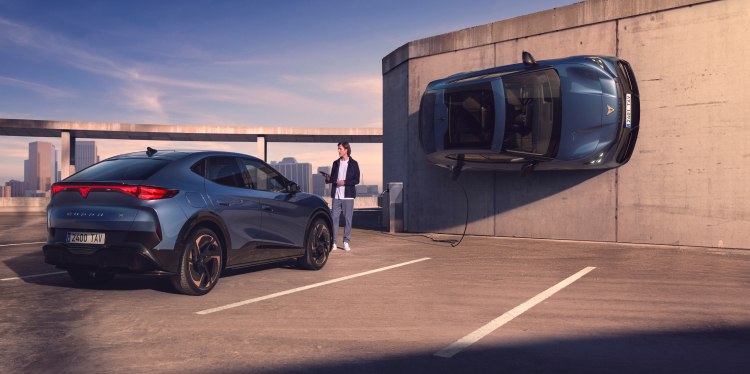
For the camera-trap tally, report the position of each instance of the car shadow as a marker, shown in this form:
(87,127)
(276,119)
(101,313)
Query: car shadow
(721,350)
(31,268)
(481,200)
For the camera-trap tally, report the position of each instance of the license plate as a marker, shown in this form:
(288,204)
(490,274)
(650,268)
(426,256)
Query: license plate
(628,110)
(85,238)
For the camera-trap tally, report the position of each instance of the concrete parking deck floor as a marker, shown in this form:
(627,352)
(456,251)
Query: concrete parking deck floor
(642,308)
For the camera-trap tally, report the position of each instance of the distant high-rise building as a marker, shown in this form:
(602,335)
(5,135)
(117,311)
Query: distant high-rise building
(26,174)
(16,188)
(40,170)
(320,187)
(5,191)
(86,154)
(300,173)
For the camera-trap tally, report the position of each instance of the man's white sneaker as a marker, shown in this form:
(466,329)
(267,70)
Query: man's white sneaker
(334,247)
(346,246)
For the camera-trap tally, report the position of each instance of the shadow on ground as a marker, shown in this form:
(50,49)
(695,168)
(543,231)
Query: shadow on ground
(722,350)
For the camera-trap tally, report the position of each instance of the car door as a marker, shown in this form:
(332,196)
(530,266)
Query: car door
(283,220)
(234,201)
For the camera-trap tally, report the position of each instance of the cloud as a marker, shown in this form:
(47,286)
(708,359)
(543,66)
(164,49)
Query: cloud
(365,85)
(243,94)
(142,98)
(360,85)
(359,98)
(245,62)
(140,83)
(62,49)
(35,87)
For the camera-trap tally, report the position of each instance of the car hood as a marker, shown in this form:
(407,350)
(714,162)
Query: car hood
(586,118)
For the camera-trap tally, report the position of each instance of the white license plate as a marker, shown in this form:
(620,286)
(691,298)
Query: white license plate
(628,110)
(85,238)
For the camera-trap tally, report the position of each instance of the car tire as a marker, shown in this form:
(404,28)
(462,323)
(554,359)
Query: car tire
(200,264)
(88,278)
(317,246)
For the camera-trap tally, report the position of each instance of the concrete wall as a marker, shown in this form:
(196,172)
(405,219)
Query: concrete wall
(687,182)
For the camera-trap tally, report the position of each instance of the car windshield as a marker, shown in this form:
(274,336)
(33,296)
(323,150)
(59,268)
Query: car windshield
(119,169)
(532,112)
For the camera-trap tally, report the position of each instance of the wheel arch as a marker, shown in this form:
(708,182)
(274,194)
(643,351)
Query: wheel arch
(210,221)
(317,213)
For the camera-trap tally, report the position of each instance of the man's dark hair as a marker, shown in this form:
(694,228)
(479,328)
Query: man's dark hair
(347,147)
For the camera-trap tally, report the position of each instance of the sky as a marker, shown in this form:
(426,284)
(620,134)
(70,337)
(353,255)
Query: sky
(221,63)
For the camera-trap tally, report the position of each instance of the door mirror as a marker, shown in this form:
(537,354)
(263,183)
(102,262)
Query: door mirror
(292,188)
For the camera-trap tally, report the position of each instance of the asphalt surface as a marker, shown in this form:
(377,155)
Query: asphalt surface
(396,304)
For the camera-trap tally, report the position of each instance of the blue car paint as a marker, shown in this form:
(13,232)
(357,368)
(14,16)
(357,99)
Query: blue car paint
(133,225)
(590,132)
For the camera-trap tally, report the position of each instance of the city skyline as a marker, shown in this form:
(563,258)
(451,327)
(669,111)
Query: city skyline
(285,64)
(43,159)
(320,154)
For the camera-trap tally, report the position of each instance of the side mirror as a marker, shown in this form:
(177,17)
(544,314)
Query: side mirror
(528,59)
(293,188)
(528,167)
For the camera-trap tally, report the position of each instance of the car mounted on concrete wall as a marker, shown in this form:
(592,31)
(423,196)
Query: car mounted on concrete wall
(184,214)
(579,112)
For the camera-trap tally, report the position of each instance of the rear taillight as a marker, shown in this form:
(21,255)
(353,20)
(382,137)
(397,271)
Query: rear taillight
(154,193)
(141,192)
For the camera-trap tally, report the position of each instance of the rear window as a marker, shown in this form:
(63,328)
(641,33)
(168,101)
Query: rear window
(120,169)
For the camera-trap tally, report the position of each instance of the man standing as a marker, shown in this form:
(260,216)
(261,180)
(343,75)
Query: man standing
(344,177)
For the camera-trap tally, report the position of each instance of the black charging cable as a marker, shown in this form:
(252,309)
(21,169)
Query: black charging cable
(453,242)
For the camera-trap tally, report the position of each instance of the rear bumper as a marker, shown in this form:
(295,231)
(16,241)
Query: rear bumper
(112,258)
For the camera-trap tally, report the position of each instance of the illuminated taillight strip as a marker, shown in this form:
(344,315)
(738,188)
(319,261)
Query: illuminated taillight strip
(141,192)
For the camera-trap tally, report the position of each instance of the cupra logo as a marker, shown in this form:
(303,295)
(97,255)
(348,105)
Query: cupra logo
(610,110)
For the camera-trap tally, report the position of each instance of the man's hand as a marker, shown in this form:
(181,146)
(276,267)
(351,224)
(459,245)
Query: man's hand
(340,182)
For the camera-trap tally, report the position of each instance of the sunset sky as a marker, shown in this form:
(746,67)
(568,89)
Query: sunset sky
(238,63)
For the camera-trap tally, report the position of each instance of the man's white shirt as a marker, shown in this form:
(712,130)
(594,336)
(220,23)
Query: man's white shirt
(340,190)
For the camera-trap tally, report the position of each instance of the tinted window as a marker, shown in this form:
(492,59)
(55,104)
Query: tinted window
(199,168)
(264,177)
(471,117)
(120,169)
(532,112)
(427,122)
(225,171)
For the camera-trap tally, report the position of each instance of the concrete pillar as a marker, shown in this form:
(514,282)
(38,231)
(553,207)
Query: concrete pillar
(261,151)
(67,154)
(395,207)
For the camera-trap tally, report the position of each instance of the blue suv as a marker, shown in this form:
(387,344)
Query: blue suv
(185,214)
(580,112)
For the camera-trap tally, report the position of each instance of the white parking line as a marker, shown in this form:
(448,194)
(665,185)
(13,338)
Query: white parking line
(483,331)
(32,276)
(303,288)
(8,245)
